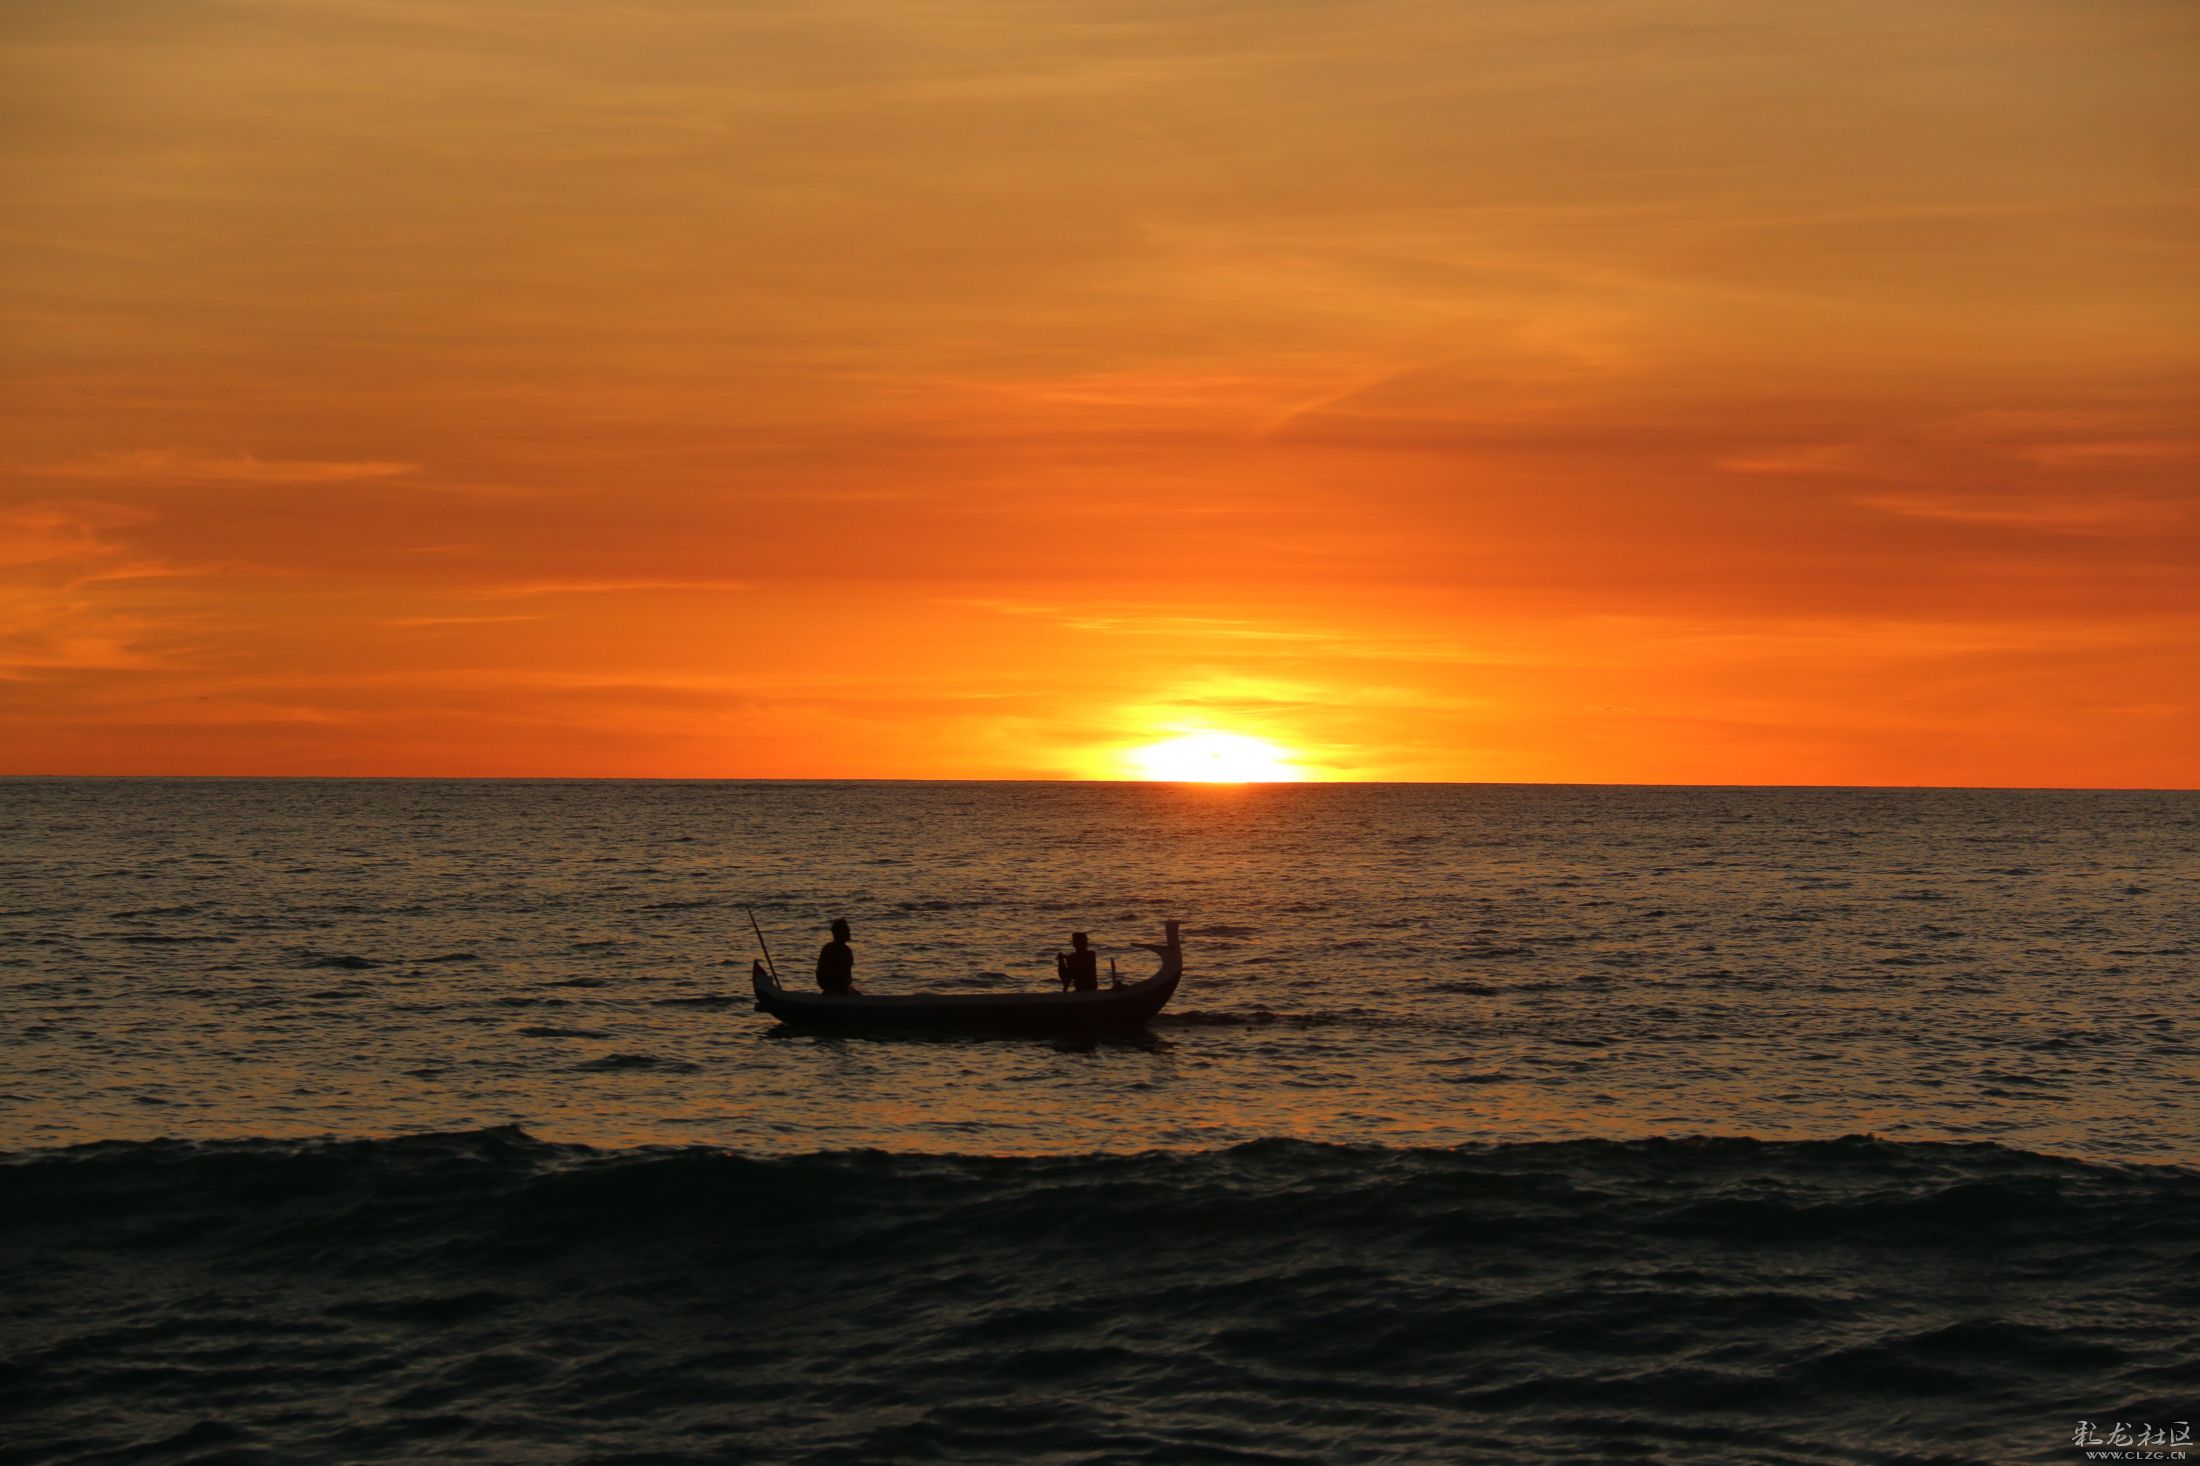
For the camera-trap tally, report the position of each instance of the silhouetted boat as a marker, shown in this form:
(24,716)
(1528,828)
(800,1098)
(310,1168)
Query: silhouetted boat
(1110,1010)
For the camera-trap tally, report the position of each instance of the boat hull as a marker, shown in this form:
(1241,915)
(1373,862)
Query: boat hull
(1112,1010)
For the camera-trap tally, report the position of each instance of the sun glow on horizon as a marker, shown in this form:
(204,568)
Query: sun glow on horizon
(1209,757)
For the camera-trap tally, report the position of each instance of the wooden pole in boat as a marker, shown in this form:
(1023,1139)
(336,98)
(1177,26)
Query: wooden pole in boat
(773,966)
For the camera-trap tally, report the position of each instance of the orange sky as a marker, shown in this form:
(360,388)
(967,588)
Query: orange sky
(1648,390)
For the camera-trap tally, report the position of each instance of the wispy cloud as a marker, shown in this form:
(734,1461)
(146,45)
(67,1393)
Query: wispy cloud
(1801,458)
(1994,441)
(63,532)
(2115,450)
(2056,515)
(611,587)
(414,623)
(139,465)
(1255,638)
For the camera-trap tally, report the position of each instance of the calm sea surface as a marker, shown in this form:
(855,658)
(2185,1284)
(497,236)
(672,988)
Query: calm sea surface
(408,1120)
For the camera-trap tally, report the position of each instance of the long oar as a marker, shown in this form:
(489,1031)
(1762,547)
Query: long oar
(768,963)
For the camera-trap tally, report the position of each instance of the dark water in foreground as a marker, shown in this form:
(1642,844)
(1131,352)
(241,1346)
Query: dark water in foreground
(491,1295)
(379,1122)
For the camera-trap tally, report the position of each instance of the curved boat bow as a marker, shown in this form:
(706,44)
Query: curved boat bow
(1110,1010)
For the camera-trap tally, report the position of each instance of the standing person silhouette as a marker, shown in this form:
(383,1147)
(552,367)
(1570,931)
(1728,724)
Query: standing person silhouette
(836,962)
(1081,968)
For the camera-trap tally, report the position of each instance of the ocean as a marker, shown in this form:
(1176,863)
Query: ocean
(431,1120)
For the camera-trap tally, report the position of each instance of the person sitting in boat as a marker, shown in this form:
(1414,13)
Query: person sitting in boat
(836,962)
(1079,969)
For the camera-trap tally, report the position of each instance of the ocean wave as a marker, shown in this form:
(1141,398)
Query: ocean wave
(630,1063)
(489,1293)
(1250,1018)
(1712,1190)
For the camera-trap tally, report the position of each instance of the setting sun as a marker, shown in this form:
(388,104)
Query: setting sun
(1216,758)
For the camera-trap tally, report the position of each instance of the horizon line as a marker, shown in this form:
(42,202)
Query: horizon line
(1053,779)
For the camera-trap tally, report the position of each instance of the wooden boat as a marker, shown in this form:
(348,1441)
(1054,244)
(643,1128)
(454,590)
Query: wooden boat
(1110,1010)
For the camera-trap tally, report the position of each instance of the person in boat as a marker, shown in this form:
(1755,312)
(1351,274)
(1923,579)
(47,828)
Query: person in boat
(1079,968)
(836,962)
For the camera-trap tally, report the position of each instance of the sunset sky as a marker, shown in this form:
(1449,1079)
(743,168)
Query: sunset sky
(1634,391)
